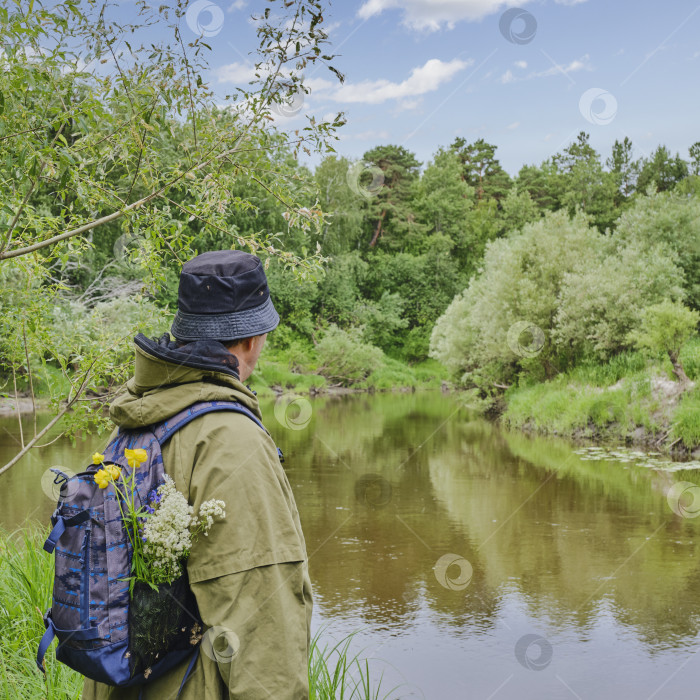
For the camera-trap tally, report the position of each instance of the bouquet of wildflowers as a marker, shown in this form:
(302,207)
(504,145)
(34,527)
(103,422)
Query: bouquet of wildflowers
(170,528)
(161,532)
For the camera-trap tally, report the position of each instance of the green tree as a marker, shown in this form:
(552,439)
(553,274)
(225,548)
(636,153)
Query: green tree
(543,183)
(586,185)
(344,356)
(662,171)
(625,170)
(666,327)
(342,231)
(389,213)
(520,283)
(481,169)
(694,152)
(111,142)
(672,220)
(444,203)
(518,209)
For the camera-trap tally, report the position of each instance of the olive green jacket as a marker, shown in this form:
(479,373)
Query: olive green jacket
(250,574)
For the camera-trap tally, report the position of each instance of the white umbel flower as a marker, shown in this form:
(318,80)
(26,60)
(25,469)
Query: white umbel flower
(170,530)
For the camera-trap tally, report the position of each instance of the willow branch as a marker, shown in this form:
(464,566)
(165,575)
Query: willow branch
(49,425)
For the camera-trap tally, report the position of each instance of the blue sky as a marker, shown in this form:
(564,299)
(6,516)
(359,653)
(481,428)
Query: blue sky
(421,72)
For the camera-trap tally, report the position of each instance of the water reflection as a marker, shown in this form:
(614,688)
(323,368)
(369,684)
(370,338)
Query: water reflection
(584,554)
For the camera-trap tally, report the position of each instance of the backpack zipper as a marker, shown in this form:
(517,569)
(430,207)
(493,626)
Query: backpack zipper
(85,587)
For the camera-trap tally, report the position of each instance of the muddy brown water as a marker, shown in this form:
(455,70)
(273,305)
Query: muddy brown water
(469,561)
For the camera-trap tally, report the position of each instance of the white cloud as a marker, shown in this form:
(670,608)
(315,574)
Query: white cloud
(318,84)
(364,136)
(512,126)
(237,5)
(235,73)
(575,65)
(430,15)
(521,64)
(410,103)
(423,79)
(507,77)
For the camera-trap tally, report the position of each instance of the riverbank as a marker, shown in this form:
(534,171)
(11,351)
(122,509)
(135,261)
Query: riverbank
(632,398)
(278,372)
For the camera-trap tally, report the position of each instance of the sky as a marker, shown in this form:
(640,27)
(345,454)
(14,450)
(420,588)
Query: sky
(525,76)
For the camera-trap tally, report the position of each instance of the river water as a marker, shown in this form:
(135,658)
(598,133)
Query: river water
(472,562)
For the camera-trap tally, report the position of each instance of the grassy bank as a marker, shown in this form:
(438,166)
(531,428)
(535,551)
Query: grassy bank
(295,369)
(26,576)
(632,398)
(303,372)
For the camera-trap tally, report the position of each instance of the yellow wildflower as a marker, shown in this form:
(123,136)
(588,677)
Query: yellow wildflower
(102,478)
(114,471)
(97,458)
(135,457)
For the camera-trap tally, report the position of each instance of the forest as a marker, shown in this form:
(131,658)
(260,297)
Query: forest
(386,271)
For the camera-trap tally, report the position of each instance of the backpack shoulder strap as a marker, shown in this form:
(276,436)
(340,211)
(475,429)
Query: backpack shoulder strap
(165,430)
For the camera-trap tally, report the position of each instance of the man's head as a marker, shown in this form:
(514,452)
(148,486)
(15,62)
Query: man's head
(247,352)
(223,295)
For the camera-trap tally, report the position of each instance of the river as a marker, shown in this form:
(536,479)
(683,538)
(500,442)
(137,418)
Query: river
(472,562)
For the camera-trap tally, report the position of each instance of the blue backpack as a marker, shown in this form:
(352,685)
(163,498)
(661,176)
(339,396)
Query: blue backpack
(100,627)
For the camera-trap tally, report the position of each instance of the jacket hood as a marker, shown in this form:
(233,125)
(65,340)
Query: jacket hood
(168,379)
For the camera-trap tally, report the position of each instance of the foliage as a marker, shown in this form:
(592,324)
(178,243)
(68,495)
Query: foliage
(123,163)
(601,303)
(665,328)
(137,168)
(345,358)
(672,220)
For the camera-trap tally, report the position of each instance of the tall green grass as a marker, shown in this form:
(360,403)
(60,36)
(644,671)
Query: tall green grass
(613,397)
(336,674)
(26,581)
(686,420)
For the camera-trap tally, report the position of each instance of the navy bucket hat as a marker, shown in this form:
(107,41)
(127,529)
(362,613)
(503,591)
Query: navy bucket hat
(223,295)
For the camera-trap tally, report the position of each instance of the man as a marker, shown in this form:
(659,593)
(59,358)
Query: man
(250,574)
